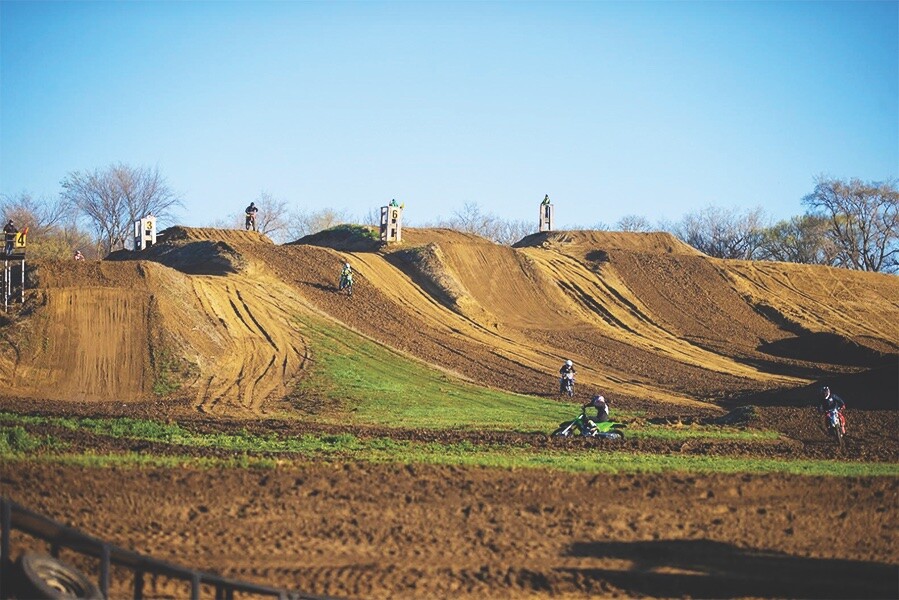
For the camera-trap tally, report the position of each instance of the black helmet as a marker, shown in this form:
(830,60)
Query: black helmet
(825,391)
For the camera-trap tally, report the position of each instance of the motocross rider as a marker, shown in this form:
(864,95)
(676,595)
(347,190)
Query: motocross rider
(602,410)
(567,368)
(346,275)
(829,401)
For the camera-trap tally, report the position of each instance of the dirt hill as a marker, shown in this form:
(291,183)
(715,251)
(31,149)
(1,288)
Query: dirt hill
(644,317)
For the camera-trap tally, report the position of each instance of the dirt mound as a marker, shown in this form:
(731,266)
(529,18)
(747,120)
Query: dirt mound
(354,238)
(605,241)
(231,236)
(645,318)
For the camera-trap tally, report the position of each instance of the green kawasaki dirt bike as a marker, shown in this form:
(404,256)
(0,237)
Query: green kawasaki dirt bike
(581,425)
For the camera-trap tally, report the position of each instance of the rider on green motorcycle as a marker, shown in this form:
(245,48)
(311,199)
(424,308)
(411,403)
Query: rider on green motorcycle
(602,410)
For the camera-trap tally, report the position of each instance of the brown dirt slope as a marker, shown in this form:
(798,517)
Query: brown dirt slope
(645,318)
(386,531)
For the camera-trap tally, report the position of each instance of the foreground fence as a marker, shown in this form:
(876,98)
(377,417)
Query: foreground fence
(15,517)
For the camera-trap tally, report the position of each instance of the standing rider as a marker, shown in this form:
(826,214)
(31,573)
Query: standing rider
(602,410)
(830,401)
(251,211)
(567,371)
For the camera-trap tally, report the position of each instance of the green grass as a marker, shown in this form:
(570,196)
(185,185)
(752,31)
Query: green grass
(377,386)
(253,451)
(600,461)
(373,385)
(15,440)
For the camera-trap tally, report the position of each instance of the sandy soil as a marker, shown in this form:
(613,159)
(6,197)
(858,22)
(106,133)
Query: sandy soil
(365,531)
(649,321)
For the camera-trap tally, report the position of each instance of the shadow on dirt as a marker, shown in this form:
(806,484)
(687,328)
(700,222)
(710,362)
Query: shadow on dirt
(709,569)
(873,389)
(826,348)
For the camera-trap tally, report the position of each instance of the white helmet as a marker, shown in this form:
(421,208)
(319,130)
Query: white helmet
(569,363)
(347,265)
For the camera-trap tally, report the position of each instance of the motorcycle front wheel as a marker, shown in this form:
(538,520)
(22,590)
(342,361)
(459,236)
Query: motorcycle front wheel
(839,437)
(566,431)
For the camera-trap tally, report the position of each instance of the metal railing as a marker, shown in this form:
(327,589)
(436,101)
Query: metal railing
(16,517)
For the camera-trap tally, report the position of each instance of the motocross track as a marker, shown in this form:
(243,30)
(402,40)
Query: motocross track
(649,321)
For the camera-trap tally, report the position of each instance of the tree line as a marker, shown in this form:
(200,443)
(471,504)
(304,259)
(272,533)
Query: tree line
(852,224)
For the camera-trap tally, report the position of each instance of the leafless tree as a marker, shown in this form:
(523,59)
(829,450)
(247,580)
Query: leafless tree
(306,222)
(863,221)
(112,199)
(472,219)
(723,233)
(633,223)
(273,219)
(510,232)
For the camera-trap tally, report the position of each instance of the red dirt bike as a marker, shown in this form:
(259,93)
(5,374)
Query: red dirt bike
(835,424)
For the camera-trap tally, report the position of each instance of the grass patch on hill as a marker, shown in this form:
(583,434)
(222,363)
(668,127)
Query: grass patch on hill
(375,385)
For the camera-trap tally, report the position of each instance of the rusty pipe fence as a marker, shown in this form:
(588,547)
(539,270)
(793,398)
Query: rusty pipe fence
(15,517)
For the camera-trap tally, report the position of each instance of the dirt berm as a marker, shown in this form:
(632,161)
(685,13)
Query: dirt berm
(645,318)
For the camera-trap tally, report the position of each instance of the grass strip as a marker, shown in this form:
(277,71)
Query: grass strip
(601,462)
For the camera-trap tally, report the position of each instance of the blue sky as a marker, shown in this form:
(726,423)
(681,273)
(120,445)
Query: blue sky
(647,108)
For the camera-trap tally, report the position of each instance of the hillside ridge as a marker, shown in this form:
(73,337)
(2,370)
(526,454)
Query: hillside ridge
(645,317)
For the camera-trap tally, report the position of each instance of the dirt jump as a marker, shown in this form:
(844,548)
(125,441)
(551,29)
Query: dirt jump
(210,329)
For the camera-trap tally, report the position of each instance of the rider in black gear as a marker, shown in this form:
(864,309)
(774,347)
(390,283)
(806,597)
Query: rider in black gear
(830,401)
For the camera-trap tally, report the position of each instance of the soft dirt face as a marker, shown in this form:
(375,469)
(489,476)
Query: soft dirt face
(373,531)
(380,531)
(644,317)
(654,326)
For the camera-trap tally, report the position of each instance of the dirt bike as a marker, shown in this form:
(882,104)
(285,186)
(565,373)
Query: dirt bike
(834,424)
(566,384)
(346,283)
(581,425)
(251,222)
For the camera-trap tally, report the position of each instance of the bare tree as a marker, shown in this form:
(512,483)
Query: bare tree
(863,221)
(801,239)
(304,222)
(112,199)
(273,219)
(633,223)
(723,233)
(513,231)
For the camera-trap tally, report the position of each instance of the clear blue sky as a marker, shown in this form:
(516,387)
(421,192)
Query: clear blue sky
(648,108)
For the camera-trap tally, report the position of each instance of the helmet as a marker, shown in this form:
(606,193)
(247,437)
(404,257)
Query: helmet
(597,399)
(252,204)
(347,265)
(825,391)
(569,363)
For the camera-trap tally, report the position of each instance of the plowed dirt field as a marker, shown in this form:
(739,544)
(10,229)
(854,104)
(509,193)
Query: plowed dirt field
(662,329)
